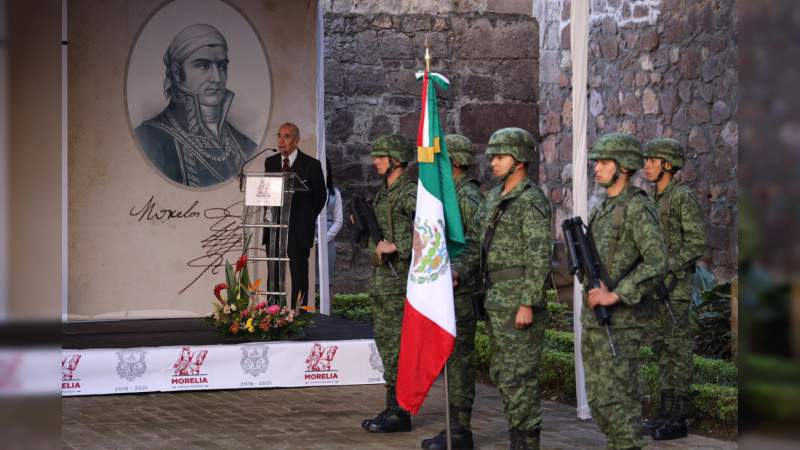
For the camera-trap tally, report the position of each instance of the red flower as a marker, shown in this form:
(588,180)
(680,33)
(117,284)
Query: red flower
(234,327)
(262,304)
(217,289)
(241,263)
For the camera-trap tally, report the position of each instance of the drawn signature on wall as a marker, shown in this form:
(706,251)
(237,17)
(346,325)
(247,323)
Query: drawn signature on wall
(150,212)
(224,240)
(225,237)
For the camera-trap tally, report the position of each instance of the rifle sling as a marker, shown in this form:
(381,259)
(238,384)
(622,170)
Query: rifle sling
(665,211)
(617,222)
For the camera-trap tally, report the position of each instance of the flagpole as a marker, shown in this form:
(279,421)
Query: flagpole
(447,409)
(446,384)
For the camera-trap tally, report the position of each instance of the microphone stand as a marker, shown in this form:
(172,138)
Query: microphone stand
(241,170)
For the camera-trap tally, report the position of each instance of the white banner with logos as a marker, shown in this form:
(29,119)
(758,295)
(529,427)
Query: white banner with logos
(239,366)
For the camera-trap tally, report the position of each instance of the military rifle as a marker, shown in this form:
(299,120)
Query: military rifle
(584,261)
(364,221)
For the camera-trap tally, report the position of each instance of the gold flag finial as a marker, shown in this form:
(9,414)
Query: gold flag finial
(427,56)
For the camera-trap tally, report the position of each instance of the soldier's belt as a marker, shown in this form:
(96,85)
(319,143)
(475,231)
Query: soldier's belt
(512,273)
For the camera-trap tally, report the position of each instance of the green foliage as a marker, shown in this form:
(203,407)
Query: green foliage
(231,281)
(702,280)
(712,306)
(715,371)
(560,341)
(771,401)
(646,354)
(560,315)
(353,307)
(771,388)
(770,368)
(557,376)
(718,402)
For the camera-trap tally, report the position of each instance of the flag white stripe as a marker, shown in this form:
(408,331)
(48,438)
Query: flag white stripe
(434,299)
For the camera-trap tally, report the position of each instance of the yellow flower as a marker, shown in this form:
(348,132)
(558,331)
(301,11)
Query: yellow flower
(249,325)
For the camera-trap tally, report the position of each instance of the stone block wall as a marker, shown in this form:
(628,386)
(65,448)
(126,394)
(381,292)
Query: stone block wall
(489,54)
(656,68)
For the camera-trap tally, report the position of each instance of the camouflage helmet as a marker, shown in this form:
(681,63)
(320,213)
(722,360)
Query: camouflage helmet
(667,149)
(622,148)
(515,142)
(460,149)
(394,146)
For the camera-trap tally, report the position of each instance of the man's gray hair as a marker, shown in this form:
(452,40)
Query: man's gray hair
(295,128)
(184,44)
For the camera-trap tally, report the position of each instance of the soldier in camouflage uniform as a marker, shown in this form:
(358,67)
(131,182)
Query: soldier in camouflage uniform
(627,234)
(682,222)
(511,243)
(461,366)
(394,206)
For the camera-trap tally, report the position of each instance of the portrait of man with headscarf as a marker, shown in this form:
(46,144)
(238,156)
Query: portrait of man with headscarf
(190,141)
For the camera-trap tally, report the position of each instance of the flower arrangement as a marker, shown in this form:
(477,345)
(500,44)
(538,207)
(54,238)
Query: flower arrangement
(245,313)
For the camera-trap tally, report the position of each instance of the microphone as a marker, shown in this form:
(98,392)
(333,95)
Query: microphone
(241,170)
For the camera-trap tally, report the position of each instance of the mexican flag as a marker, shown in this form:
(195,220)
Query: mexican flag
(429,325)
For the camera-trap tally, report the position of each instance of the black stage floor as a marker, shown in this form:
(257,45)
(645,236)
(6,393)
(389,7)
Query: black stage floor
(191,331)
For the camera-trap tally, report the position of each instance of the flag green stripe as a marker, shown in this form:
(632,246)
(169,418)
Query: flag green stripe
(437,178)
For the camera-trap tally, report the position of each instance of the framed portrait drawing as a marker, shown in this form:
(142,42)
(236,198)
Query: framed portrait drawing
(197,91)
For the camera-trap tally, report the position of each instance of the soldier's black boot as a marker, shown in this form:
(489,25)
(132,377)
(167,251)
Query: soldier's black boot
(664,406)
(525,440)
(394,420)
(389,398)
(675,425)
(460,435)
(532,439)
(461,439)
(517,441)
(673,428)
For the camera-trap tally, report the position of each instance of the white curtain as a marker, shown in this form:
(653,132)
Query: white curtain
(322,223)
(579,34)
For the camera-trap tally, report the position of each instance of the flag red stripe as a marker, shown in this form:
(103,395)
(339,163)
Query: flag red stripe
(424,349)
(420,129)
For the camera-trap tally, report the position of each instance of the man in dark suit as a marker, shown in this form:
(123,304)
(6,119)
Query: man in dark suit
(306,206)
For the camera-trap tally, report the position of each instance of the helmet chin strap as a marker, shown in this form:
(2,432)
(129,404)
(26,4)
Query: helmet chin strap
(613,178)
(660,172)
(510,172)
(390,169)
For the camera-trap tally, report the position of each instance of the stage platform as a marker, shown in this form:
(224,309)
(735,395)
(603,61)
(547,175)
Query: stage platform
(167,355)
(193,331)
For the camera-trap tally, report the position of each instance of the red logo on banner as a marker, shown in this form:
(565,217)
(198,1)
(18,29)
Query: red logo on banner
(320,361)
(68,366)
(188,365)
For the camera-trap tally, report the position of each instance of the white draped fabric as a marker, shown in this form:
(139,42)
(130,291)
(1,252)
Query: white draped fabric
(579,35)
(322,223)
